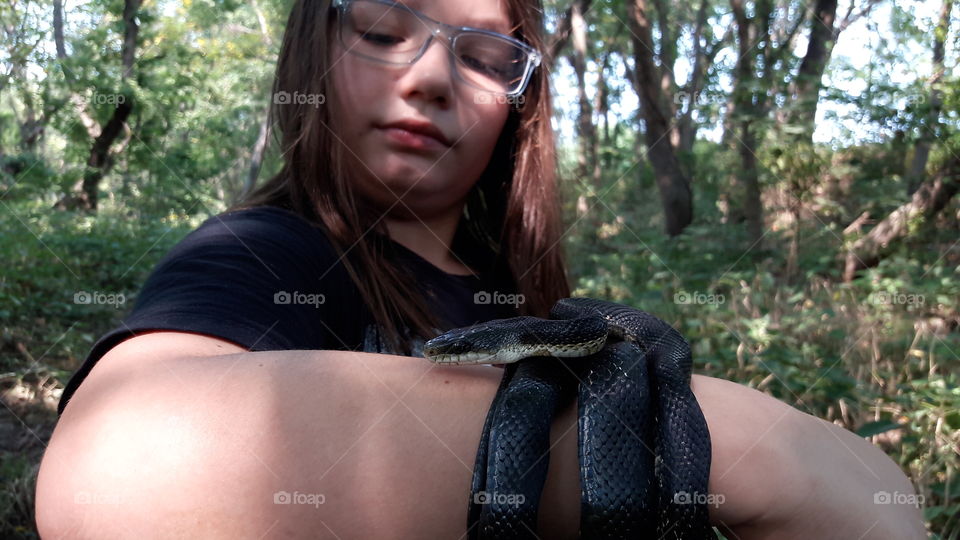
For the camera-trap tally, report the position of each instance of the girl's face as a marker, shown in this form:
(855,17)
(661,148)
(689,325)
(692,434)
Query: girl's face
(429,176)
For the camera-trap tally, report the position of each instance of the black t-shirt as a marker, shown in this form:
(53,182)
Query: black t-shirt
(266,279)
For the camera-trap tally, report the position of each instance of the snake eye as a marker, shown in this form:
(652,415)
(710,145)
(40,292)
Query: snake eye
(446,344)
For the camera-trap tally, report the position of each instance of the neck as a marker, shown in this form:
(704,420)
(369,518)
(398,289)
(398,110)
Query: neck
(430,238)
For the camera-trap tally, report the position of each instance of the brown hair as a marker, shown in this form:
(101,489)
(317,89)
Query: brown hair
(511,226)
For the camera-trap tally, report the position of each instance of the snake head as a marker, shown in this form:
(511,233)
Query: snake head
(503,341)
(482,343)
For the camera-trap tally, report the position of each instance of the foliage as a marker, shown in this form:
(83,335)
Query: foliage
(51,257)
(877,356)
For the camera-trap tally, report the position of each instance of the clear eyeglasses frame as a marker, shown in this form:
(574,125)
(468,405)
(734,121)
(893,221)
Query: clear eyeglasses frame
(483,59)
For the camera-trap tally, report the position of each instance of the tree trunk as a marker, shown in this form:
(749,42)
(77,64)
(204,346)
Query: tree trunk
(928,133)
(98,162)
(586,134)
(668,61)
(673,184)
(750,106)
(685,126)
(79,104)
(259,148)
(601,106)
(750,181)
(561,36)
(31,128)
(263,136)
(131,29)
(58,28)
(85,194)
(703,59)
(805,92)
(929,199)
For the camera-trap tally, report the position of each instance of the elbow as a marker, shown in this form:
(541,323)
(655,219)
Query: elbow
(61,510)
(49,508)
(123,464)
(852,486)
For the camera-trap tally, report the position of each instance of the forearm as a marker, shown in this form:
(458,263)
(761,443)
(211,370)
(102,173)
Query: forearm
(199,446)
(793,476)
(856,490)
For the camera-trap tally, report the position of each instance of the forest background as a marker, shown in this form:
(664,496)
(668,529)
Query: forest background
(776,178)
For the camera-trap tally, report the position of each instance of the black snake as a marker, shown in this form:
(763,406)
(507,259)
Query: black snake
(644,446)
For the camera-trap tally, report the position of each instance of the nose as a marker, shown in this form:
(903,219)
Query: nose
(431,76)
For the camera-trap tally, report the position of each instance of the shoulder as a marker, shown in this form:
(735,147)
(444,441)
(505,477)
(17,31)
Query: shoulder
(262,236)
(250,250)
(262,224)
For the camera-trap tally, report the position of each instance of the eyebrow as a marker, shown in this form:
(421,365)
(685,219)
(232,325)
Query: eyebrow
(494,25)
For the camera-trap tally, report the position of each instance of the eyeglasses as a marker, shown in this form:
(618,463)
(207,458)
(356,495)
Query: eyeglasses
(394,34)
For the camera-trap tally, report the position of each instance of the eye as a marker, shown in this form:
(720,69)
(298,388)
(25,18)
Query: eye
(380,39)
(480,66)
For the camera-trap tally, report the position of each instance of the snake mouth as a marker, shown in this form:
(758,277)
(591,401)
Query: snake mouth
(505,341)
(475,357)
(512,353)
(503,355)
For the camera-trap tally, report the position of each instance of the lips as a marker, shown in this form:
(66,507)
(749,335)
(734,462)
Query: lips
(420,128)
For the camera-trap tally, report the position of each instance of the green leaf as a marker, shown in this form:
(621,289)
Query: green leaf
(932,512)
(875,428)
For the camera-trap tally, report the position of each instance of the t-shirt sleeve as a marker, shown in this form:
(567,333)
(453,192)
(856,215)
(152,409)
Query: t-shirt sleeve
(262,278)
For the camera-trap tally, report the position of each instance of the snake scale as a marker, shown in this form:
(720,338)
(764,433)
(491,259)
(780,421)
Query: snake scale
(643,443)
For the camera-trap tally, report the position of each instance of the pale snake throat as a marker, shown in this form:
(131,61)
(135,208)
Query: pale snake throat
(643,443)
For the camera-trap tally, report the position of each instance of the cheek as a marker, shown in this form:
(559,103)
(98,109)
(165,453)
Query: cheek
(488,123)
(358,88)
(352,87)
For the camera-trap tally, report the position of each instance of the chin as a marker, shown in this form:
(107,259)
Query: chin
(417,173)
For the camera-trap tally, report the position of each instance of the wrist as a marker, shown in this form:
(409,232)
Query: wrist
(751,436)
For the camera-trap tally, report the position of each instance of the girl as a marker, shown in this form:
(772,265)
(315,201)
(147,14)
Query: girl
(417,194)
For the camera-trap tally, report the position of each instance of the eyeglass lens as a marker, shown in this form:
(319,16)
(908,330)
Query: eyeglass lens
(395,35)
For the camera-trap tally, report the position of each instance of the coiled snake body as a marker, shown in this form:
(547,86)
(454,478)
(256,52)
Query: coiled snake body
(644,446)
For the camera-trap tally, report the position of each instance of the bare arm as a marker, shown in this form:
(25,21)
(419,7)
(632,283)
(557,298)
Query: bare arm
(185,435)
(791,476)
(852,490)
